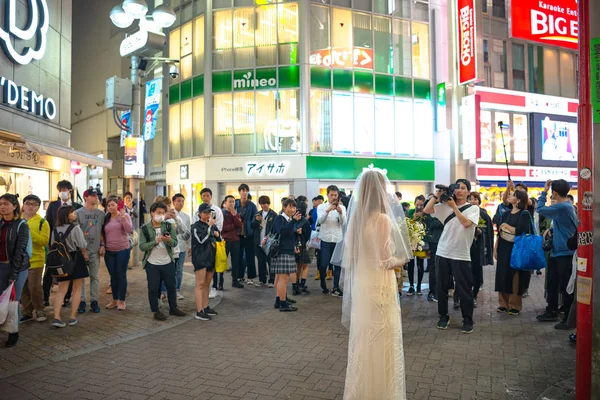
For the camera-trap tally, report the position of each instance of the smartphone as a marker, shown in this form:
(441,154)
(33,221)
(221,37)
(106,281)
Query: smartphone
(120,205)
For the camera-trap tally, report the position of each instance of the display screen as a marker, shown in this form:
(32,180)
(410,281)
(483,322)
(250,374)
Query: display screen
(554,141)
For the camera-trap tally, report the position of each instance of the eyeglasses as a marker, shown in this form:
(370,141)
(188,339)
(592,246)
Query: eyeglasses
(31,204)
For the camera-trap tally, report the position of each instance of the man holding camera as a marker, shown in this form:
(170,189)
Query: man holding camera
(453,252)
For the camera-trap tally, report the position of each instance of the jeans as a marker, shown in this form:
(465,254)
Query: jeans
(264,264)
(157,274)
(237,271)
(19,283)
(116,263)
(325,255)
(94,268)
(420,272)
(247,249)
(558,274)
(461,270)
(178,272)
(33,295)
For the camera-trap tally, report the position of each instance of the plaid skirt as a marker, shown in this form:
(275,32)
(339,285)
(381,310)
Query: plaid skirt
(283,264)
(303,257)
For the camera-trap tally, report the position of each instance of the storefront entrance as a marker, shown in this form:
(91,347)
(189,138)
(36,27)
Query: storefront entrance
(275,191)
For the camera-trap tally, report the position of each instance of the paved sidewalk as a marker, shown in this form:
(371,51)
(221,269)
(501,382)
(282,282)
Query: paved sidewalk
(251,351)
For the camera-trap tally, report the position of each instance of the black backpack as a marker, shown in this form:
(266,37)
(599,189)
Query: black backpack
(59,261)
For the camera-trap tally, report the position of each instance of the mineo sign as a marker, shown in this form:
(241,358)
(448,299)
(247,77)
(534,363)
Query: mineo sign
(259,79)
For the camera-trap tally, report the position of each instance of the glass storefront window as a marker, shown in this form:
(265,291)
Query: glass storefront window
(342,125)
(222,39)
(423,131)
(174,129)
(500,77)
(320,120)
(383,44)
(266,121)
(363,31)
(319,29)
(341,37)
(518,66)
(364,124)
(420,50)
(243,122)
(223,123)
(551,72)
(266,35)
(402,48)
(568,86)
(199,45)
(421,10)
(198,126)
(186,39)
(288,33)
(502,137)
(404,129)
(186,129)
(243,37)
(384,126)
(175,48)
(485,118)
(288,125)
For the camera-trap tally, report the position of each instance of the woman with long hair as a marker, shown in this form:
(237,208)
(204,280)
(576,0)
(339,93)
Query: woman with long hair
(73,237)
(376,243)
(117,227)
(14,260)
(510,283)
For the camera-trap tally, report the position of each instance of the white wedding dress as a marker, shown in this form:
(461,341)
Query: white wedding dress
(373,247)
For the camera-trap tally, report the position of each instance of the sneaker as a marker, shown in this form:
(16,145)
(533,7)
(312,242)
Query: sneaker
(562,325)
(548,316)
(291,301)
(443,322)
(26,318)
(57,323)
(304,290)
(501,309)
(220,288)
(287,307)
(431,297)
(411,291)
(40,316)
(180,296)
(325,290)
(121,306)
(467,326)
(213,293)
(73,322)
(237,285)
(526,293)
(159,316)
(211,312)
(270,286)
(250,282)
(112,305)
(82,308)
(94,307)
(177,312)
(296,291)
(109,290)
(337,293)
(419,292)
(474,303)
(259,284)
(514,312)
(202,316)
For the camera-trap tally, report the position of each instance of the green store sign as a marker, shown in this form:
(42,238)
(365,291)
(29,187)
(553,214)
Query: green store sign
(348,168)
(259,79)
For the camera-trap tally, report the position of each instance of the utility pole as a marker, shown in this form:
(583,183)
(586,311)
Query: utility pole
(136,129)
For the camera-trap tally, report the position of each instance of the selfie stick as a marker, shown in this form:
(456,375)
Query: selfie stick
(504,145)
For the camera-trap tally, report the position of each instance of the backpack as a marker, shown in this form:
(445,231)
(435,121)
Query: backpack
(59,262)
(29,242)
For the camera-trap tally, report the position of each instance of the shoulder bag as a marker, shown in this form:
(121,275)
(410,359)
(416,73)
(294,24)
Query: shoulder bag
(527,253)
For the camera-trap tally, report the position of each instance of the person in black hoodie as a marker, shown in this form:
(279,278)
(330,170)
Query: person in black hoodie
(303,232)
(285,262)
(262,227)
(204,236)
(14,260)
(482,250)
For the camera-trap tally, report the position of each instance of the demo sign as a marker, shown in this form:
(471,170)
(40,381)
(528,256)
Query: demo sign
(467,64)
(552,22)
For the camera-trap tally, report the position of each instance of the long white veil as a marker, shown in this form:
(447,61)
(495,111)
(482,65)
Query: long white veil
(376,236)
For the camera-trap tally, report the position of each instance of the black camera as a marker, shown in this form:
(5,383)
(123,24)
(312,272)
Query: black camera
(447,191)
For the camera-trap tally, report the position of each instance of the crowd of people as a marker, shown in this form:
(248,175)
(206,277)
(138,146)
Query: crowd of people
(271,250)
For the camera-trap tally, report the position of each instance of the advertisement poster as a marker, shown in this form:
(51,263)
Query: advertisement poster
(520,142)
(551,24)
(503,136)
(485,130)
(467,71)
(134,157)
(125,117)
(559,140)
(153,92)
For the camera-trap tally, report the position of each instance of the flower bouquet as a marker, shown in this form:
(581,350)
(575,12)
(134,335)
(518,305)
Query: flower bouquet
(416,233)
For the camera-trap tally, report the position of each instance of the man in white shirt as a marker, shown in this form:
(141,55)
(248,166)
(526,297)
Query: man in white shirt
(331,217)
(183,238)
(453,253)
(217,215)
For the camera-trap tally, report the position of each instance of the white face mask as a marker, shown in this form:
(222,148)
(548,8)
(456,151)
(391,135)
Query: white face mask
(64,196)
(159,218)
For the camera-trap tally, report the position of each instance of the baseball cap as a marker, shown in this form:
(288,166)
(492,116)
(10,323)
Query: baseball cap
(90,192)
(204,208)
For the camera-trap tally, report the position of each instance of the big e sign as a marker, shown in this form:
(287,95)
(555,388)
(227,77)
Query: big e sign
(467,68)
(552,22)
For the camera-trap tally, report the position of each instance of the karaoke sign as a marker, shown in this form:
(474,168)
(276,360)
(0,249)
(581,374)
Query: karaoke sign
(467,60)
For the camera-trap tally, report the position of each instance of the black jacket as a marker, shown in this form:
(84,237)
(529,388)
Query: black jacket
(52,212)
(256,225)
(203,244)
(287,232)
(303,237)
(16,247)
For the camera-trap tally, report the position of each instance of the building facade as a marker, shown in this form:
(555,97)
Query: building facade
(521,106)
(292,96)
(35,100)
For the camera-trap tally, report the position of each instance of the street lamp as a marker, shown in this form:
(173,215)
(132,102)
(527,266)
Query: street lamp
(140,46)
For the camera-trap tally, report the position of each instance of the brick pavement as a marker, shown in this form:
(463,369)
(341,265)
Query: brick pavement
(251,351)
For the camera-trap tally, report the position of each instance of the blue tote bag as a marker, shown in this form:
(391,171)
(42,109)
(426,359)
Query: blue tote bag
(527,253)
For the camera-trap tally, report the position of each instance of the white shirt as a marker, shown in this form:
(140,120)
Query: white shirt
(331,224)
(218,217)
(159,255)
(456,240)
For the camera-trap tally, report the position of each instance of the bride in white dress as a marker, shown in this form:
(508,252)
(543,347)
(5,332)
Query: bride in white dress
(373,247)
